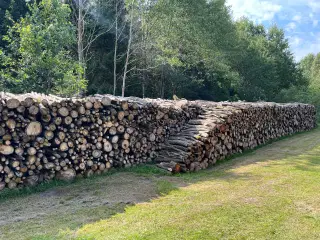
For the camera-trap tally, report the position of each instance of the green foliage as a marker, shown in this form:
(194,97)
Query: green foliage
(195,38)
(16,8)
(265,62)
(37,56)
(309,92)
(200,53)
(192,49)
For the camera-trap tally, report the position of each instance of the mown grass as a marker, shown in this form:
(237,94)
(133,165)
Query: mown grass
(164,187)
(143,170)
(46,227)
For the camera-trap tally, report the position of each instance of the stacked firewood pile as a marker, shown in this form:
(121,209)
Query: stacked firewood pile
(44,137)
(226,128)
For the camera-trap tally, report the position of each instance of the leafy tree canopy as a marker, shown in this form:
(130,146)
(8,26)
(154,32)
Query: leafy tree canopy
(37,57)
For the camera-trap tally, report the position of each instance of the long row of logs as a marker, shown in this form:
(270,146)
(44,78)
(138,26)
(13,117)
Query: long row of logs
(226,128)
(44,137)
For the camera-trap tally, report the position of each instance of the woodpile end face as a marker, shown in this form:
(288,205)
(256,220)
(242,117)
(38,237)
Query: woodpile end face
(44,136)
(224,129)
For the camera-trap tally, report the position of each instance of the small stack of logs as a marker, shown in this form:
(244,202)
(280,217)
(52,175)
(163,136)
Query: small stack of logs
(44,137)
(227,128)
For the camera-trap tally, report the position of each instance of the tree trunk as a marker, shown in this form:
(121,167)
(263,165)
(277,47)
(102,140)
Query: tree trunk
(128,54)
(80,37)
(115,52)
(143,84)
(162,81)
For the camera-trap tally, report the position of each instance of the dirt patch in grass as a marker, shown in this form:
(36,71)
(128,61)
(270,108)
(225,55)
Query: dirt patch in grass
(104,195)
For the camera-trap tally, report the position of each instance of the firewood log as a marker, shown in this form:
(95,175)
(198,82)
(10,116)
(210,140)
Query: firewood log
(34,129)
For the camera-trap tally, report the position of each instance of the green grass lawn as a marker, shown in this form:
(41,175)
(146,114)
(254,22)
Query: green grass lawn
(271,193)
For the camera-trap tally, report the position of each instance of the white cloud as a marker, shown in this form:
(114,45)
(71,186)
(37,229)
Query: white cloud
(304,47)
(291,26)
(301,52)
(295,41)
(314,5)
(254,9)
(297,18)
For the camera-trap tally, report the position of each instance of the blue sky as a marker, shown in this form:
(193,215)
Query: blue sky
(299,18)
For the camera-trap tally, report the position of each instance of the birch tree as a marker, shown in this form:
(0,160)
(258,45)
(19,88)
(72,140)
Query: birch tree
(91,24)
(130,36)
(119,27)
(115,49)
(139,50)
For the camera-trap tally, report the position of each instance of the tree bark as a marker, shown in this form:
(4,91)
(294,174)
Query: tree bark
(128,51)
(80,37)
(115,51)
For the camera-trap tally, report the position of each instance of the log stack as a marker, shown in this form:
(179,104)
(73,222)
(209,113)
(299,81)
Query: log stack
(227,128)
(44,137)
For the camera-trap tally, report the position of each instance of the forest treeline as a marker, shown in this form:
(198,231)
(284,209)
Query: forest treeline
(149,48)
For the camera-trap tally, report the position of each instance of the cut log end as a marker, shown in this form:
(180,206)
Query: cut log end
(34,129)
